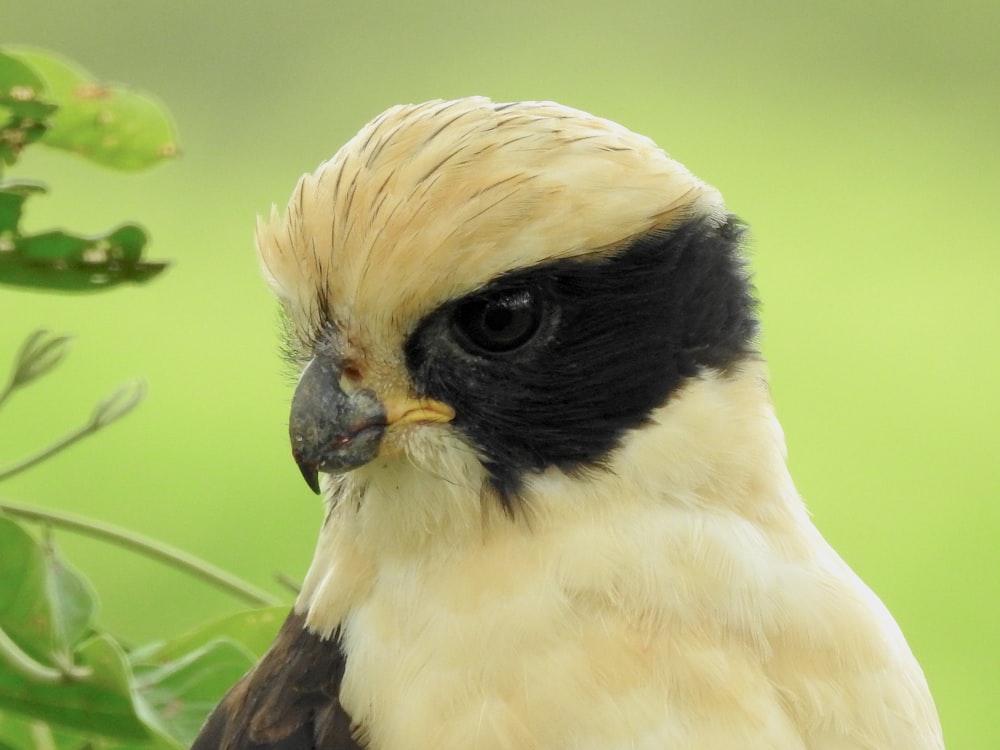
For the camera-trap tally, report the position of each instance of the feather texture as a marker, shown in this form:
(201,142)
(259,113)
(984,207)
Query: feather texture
(287,702)
(662,587)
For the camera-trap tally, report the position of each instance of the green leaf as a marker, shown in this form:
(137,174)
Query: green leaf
(23,110)
(83,690)
(24,607)
(47,606)
(100,702)
(71,262)
(15,732)
(122,246)
(12,198)
(33,734)
(109,124)
(18,81)
(184,678)
(65,261)
(91,694)
(179,694)
(113,126)
(254,629)
(72,604)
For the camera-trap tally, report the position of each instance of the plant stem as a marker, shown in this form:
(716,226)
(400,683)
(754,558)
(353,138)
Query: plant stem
(48,451)
(122,400)
(11,653)
(5,394)
(136,542)
(288,583)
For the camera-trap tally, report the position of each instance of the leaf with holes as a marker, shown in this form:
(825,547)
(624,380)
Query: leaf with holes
(109,124)
(12,198)
(73,262)
(24,109)
(47,99)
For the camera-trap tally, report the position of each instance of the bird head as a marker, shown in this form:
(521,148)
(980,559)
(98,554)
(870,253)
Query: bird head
(488,292)
(558,507)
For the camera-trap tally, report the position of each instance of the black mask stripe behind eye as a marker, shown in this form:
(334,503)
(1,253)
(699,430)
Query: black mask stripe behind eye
(618,336)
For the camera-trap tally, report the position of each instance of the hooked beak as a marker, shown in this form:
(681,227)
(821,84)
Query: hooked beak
(333,431)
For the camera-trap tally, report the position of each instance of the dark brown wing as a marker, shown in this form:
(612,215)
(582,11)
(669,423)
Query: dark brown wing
(288,701)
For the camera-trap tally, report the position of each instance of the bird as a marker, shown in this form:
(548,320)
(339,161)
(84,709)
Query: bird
(558,513)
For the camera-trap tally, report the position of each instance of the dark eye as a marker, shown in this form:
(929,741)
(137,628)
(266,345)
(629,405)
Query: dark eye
(499,322)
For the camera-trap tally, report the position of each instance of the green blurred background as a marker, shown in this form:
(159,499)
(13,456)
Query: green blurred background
(859,139)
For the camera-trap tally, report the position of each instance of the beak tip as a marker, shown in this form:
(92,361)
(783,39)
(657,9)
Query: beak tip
(310,474)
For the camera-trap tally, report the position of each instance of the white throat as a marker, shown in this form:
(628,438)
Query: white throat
(688,567)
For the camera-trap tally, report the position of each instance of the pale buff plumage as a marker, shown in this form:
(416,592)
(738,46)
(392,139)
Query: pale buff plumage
(681,598)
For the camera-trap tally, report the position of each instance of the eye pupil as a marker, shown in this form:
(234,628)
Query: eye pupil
(499,322)
(497,319)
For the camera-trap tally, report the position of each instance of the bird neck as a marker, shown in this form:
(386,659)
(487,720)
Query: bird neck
(715,446)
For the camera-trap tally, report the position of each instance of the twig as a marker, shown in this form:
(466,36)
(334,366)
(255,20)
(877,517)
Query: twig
(114,407)
(47,452)
(36,357)
(288,582)
(157,550)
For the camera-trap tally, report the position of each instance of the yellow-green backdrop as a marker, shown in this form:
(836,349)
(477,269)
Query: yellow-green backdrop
(859,139)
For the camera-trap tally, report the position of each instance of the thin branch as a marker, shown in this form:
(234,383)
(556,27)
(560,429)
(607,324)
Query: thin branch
(5,393)
(7,390)
(144,545)
(47,452)
(39,353)
(288,582)
(111,409)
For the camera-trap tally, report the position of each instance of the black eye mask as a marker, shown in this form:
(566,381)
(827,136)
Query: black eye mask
(551,365)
